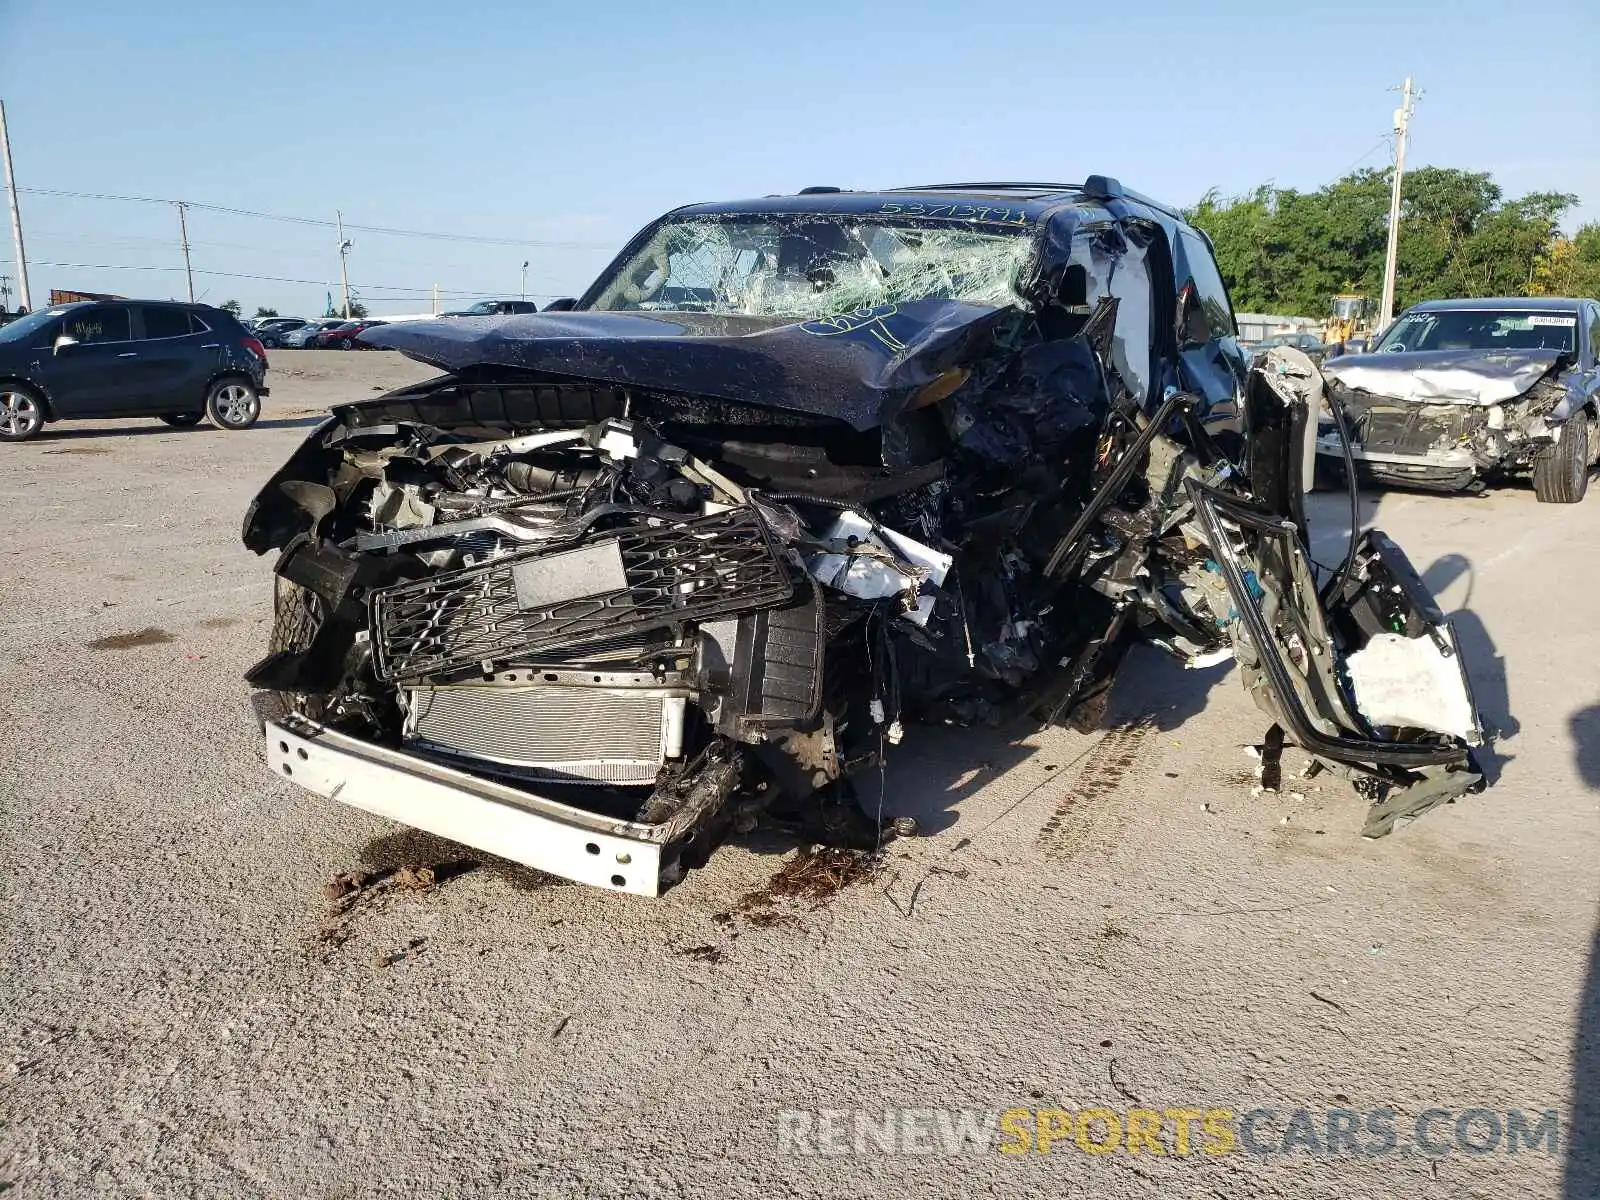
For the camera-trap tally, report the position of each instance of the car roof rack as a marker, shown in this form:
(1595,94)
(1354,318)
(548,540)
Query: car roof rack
(989,186)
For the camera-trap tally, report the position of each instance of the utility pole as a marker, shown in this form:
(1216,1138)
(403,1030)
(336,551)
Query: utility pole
(524,279)
(436,299)
(344,274)
(16,213)
(1402,124)
(183,237)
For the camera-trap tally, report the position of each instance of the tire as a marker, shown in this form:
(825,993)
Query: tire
(233,403)
(346,344)
(297,614)
(182,420)
(1561,474)
(21,412)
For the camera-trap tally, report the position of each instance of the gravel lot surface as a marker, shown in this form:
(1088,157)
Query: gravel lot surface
(1087,921)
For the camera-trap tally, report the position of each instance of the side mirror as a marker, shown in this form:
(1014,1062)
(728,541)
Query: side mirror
(63,342)
(1193,328)
(565,304)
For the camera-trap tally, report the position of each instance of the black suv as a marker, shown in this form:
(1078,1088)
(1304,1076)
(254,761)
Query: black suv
(143,358)
(795,470)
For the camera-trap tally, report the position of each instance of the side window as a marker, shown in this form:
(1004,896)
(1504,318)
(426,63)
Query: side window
(1113,263)
(106,324)
(165,322)
(1208,284)
(196,325)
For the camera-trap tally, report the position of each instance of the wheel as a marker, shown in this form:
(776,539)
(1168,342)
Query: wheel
(347,344)
(182,420)
(1561,473)
(21,413)
(269,342)
(233,403)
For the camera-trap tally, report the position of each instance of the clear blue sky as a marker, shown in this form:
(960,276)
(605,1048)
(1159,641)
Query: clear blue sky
(577,122)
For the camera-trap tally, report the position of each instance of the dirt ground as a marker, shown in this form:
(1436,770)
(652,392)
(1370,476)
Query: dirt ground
(216,984)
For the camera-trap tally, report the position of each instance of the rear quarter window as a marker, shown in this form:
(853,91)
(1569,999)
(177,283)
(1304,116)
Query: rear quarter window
(165,323)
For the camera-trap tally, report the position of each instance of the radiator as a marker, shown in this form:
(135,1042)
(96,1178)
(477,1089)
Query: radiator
(577,734)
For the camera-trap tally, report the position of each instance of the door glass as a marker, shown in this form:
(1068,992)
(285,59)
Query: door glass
(98,325)
(165,323)
(1208,284)
(196,325)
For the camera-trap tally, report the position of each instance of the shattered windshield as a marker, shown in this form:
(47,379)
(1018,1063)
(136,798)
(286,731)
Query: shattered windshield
(1481,329)
(809,266)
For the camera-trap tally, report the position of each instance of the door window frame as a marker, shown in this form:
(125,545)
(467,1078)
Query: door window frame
(67,319)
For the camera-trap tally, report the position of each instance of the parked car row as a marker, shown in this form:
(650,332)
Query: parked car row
(328,333)
(178,362)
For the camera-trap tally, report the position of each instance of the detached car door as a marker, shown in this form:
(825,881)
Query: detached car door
(96,375)
(177,354)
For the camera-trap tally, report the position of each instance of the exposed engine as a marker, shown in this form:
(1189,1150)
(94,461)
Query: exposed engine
(691,615)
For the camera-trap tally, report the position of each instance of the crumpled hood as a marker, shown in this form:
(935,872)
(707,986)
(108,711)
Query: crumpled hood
(1444,376)
(858,367)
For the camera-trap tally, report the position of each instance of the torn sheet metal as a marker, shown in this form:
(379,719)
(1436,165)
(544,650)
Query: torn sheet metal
(1444,376)
(873,563)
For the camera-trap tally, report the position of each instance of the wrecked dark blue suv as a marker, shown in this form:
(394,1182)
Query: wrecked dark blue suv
(691,549)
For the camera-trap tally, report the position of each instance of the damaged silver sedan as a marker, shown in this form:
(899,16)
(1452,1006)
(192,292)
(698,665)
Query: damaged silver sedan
(689,552)
(1462,391)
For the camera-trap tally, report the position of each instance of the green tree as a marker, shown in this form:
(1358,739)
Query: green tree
(1570,266)
(266,312)
(336,307)
(231,306)
(1290,252)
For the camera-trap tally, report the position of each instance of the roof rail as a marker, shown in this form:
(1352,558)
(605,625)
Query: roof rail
(819,189)
(990,185)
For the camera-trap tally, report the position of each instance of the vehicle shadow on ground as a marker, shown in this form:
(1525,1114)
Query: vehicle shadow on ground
(70,433)
(291,422)
(1485,667)
(1153,687)
(1582,1176)
(936,768)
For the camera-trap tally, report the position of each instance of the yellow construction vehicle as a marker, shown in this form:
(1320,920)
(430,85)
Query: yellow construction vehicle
(1350,314)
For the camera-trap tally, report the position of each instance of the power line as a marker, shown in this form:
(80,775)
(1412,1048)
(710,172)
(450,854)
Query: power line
(1381,142)
(325,224)
(357,286)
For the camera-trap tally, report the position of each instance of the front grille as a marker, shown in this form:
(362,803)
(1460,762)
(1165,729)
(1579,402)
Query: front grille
(624,582)
(580,734)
